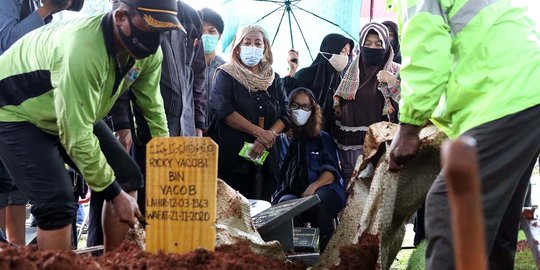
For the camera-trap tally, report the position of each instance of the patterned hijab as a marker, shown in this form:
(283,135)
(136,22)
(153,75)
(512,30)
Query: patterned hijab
(253,82)
(351,80)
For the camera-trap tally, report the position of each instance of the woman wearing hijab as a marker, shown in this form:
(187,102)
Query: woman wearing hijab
(394,39)
(250,106)
(368,94)
(311,165)
(323,76)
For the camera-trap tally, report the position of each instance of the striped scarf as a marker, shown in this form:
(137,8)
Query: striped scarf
(351,80)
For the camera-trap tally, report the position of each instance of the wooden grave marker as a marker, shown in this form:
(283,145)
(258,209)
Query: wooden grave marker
(181,190)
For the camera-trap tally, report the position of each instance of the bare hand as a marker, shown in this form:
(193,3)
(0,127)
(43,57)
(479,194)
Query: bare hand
(404,146)
(126,209)
(390,107)
(386,77)
(257,150)
(124,136)
(198,132)
(310,190)
(266,137)
(293,64)
(51,7)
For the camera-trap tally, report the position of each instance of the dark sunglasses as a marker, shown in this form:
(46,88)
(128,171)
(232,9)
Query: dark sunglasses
(305,107)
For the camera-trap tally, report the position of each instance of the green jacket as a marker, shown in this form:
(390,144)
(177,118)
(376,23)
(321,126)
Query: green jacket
(467,62)
(64,78)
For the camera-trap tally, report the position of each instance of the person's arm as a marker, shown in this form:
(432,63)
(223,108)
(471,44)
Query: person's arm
(283,123)
(77,92)
(148,96)
(427,60)
(200,96)
(12,28)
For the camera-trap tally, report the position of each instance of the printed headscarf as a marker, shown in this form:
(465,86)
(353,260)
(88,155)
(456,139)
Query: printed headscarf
(351,81)
(253,82)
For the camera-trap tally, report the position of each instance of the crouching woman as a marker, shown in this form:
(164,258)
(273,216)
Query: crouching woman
(311,166)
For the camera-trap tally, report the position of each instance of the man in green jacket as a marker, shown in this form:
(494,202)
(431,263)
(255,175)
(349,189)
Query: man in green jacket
(56,84)
(473,69)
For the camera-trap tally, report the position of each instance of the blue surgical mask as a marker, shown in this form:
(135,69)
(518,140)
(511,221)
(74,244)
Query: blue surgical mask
(209,43)
(251,56)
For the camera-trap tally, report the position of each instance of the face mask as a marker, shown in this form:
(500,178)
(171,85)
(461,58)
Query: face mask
(300,117)
(338,61)
(251,56)
(372,57)
(140,44)
(209,43)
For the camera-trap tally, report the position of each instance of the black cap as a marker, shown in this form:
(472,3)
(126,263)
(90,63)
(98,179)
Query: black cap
(76,5)
(159,14)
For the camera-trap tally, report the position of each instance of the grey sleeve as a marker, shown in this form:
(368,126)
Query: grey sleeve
(11,27)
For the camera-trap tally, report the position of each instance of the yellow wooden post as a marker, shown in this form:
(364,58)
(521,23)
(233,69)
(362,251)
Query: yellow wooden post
(181,175)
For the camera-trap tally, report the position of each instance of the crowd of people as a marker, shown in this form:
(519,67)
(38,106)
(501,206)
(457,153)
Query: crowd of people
(92,92)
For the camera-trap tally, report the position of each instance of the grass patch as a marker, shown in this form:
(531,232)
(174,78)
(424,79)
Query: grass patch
(417,261)
(524,259)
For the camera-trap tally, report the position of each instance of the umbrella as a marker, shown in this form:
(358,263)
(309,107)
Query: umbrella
(297,24)
(379,11)
(289,8)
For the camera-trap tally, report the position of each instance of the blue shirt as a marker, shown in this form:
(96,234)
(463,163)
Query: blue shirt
(12,27)
(321,156)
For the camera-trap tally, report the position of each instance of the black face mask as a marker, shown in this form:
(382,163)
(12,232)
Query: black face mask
(140,44)
(371,56)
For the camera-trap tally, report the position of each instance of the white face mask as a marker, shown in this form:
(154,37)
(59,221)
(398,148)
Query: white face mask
(251,56)
(338,61)
(300,117)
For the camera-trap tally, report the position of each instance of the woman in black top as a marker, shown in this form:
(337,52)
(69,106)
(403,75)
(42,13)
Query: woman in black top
(250,106)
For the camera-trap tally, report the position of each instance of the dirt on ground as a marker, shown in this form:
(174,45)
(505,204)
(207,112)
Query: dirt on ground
(522,245)
(360,256)
(129,256)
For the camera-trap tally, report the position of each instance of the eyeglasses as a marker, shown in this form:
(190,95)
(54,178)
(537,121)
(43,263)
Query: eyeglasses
(304,107)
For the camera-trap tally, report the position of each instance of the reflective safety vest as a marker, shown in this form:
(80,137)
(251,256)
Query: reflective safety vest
(468,62)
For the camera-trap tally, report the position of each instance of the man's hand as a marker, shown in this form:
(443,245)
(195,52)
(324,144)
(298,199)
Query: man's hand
(124,136)
(198,132)
(404,146)
(126,209)
(51,7)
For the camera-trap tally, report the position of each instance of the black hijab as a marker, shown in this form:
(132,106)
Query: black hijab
(392,27)
(321,77)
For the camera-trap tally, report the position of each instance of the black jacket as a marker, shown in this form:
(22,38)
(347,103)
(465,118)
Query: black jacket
(229,96)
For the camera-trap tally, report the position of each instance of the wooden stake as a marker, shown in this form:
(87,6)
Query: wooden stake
(460,167)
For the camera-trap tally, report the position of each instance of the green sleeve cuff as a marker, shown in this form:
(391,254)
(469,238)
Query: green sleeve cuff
(411,121)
